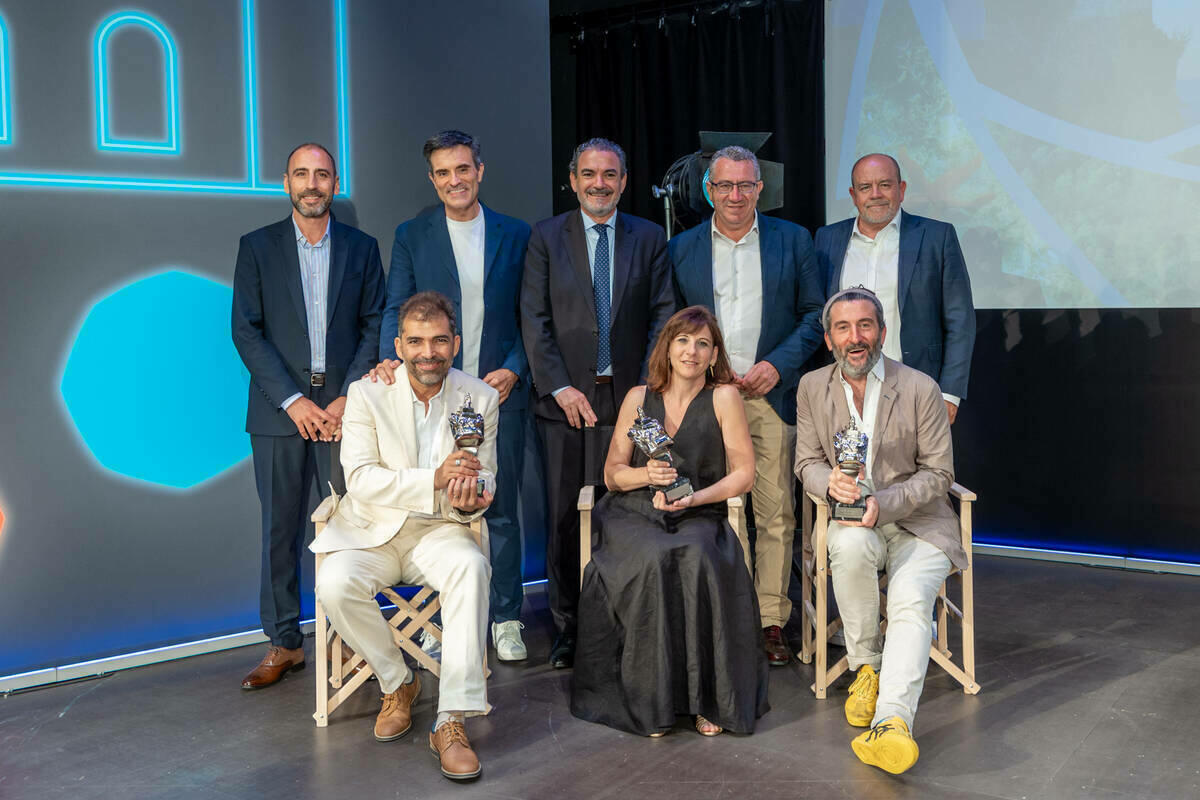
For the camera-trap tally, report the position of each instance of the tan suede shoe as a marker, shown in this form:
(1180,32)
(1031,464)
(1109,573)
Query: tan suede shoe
(395,718)
(450,744)
(275,664)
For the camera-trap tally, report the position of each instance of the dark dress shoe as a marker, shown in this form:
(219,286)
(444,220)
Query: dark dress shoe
(275,664)
(777,649)
(562,655)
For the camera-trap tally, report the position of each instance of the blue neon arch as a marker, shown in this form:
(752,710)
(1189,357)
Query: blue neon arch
(104,138)
(6,131)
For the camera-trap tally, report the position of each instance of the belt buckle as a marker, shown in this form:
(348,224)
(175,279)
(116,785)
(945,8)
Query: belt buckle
(316,379)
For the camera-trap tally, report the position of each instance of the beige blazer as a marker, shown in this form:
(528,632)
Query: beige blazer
(379,456)
(912,458)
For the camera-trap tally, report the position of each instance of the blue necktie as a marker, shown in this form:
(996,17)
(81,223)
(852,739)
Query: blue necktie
(600,270)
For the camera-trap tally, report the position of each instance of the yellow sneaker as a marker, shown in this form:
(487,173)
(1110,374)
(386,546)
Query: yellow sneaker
(888,746)
(860,705)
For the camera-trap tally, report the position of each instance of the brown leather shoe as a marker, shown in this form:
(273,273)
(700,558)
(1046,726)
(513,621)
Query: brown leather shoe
(275,664)
(450,744)
(395,718)
(777,649)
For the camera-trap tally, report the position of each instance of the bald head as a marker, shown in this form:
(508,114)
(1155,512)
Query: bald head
(877,192)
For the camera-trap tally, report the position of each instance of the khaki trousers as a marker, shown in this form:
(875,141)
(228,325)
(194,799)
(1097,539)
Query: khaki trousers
(774,509)
(429,552)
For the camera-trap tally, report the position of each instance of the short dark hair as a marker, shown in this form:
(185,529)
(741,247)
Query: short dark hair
(848,295)
(736,152)
(689,320)
(288,164)
(426,306)
(450,138)
(597,143)
(861,159)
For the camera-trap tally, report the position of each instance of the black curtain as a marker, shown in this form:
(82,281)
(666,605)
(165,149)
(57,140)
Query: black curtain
(652,75)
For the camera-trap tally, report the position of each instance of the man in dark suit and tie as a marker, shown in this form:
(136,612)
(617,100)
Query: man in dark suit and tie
(475,256)
(916,268)
(596,291)
(759,276)
(307,295)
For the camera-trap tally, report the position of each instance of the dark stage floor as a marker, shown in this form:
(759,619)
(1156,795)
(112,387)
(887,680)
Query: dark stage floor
(1089,691)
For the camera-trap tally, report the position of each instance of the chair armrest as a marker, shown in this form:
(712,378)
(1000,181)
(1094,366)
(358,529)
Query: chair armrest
(736,501)
(820,501)
(587,498)
(962,493)
(325,510)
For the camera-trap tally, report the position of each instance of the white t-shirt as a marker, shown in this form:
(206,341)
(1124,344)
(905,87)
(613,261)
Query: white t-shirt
(467,239)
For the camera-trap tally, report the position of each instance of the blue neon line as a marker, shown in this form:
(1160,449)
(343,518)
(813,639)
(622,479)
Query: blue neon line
(252,184)
(6,135)
(250,90)
(343,96)
(1081,554)
(104,140)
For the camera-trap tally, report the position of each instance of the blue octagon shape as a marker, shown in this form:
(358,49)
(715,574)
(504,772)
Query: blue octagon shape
(153,382)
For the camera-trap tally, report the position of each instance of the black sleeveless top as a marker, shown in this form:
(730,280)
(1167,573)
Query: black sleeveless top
(699,450)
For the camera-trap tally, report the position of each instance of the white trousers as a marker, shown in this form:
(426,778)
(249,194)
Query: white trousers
(429,552)
(916,570)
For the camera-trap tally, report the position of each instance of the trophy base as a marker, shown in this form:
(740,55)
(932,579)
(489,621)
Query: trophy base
(677,490)
(849,512)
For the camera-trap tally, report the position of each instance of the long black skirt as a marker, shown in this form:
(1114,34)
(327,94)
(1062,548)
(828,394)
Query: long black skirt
(668,621)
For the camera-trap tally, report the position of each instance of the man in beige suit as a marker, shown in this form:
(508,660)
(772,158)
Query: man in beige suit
(410,496)
(908,530)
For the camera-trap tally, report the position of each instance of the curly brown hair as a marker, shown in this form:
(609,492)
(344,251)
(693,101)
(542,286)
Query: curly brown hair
(689,320)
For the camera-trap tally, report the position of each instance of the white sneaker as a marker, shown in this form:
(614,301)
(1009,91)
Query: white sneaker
(507,638)
(431,646)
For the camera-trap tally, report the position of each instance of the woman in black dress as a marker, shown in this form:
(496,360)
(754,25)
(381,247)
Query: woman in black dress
(668,619)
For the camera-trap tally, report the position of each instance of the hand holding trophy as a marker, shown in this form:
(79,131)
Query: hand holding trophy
(850,451)
(652,439)
(466,425)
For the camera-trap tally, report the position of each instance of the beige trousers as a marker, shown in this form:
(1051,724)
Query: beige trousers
(428,552)
(774,509)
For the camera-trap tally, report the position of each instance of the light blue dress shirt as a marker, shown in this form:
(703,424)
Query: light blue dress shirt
(314,277)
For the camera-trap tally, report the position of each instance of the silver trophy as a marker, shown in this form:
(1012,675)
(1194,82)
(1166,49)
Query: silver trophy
(466,425)
(850,450)
(652,439)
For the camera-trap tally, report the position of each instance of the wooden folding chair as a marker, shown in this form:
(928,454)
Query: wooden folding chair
(587,499)
(817,628)
(340,670)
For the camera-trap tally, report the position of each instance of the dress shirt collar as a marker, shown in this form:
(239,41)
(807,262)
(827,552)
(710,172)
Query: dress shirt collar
(436,398)
(753,230)
(589,223)
(302,240)
(895,224)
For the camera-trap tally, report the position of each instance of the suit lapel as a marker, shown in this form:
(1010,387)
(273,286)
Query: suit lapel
(492,237)
(622,263)
(770,254)
(402,405)
(439,232)
(575,243)
(837,255)
(291,268)
(700,260)
(911,233)
(339,246)
(888,393)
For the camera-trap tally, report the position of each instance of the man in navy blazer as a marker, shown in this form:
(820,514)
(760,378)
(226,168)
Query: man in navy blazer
(759,276)
(596,292)
(916,268)
(475,257)
(307,294)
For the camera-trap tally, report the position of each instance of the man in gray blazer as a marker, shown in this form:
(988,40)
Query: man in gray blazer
(908,529)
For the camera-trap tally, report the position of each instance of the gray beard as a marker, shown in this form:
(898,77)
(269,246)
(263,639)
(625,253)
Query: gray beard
(873,356)
(313,213)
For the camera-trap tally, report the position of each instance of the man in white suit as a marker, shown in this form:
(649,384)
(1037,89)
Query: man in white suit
(410,496)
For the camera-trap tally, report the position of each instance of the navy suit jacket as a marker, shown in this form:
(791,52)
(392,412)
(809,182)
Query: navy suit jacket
(558,306)
(270,327)
(792,292)
(937,315)
(423,260)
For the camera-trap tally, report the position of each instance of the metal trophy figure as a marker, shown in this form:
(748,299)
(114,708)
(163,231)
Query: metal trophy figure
(850,450)
(652,439)
(466,425)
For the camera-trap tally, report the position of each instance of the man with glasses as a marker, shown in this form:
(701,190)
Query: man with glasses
(759,276)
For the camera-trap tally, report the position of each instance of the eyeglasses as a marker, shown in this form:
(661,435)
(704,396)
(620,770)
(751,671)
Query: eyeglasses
(725,187)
